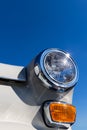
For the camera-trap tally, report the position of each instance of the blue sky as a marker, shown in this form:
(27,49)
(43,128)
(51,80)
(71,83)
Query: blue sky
(27,27)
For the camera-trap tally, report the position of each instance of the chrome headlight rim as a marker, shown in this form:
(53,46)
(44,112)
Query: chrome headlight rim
(54,83)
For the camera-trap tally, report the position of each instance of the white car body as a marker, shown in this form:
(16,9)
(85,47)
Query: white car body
(20,102)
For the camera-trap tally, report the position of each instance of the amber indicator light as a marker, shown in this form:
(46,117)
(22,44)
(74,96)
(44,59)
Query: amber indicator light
(65,113)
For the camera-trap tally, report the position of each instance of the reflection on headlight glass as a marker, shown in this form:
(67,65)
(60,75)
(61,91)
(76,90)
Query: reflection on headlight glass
(59,67)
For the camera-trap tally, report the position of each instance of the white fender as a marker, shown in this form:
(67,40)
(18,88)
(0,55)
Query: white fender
(20,102)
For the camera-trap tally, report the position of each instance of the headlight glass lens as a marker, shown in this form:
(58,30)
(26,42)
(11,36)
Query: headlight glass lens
(59,67)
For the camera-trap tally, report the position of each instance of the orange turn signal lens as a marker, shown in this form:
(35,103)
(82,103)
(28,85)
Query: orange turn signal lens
(60,112)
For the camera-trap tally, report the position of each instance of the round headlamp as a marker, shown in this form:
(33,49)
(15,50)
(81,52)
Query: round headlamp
(58,68)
